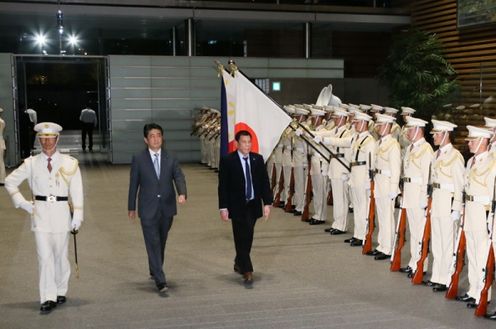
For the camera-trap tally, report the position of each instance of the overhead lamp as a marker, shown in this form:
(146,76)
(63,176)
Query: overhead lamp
(40,39)
(73,40)
(60,21)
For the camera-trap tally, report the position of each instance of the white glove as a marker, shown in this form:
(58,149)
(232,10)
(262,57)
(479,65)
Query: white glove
(423,202)
(317,139)
(299,132)
(392,195)
(345,177)
(455,215)
(27,206)
(75,224)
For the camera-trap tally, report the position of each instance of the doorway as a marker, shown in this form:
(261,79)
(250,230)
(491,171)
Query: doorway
(58,88)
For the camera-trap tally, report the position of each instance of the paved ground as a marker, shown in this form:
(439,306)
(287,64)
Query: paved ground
(303,277)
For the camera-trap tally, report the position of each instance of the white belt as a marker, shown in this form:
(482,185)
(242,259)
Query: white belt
(416,180)
(385,172)
(484,199)
(444,186)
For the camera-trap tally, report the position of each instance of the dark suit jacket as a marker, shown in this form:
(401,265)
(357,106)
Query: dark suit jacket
(154,193)
(232,194)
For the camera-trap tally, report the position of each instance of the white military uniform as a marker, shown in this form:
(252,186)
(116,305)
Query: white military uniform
(386,179)
(300,161)
(50,218)
(362,149)
(287,161)
(338,174)
(277,161)
(479,188)
(417,160)
(2,150)
(447,179)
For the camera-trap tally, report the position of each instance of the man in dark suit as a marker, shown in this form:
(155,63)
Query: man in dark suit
(243,186)
(154,173)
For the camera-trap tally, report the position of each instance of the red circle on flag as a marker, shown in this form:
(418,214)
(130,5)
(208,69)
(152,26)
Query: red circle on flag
(254,139)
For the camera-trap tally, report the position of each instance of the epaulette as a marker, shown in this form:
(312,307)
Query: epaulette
(68,168)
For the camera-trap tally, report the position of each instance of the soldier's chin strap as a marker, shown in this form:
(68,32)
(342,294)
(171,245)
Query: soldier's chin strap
(444,138)
(54,146)
(416,133)
(478,145)
(381,132)
(362,123)
(340,120)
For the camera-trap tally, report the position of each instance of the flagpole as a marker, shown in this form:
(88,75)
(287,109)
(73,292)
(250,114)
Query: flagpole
(232,66)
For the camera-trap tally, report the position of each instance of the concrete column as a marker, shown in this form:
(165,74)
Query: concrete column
(173,37)
(308,39)
(190,36)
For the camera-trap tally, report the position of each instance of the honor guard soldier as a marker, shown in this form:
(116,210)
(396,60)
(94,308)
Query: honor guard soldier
(491,125)
(416,167)
(406,112)
(300,161)
(318,172)
(338,175)
(53,178)
(479,189)
(396,128)
(287,157)
(361,159)
(386,187)
(374,109)
(447,179)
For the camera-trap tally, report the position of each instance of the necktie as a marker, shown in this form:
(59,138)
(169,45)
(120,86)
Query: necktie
(248,179)
(49,166)
(411,148)
(156,165)
(438,153)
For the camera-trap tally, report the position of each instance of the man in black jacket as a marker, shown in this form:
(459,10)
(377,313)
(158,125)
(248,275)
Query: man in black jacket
(243,186)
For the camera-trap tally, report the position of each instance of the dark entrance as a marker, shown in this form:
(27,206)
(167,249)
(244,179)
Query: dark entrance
(58,88)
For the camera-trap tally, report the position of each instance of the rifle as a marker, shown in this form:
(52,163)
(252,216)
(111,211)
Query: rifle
(330,201)
(481,309)
(289,202)
(273,177)
(305,216)
(280,187)
(367,243)
(458,262)
(419,272)
(399,241)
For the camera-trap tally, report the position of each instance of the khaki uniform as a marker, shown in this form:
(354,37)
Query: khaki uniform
(417,160)
(447,179)
(480,174)
(50,220)
(386,179)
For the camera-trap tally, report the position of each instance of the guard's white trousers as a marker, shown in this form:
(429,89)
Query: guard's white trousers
(360,199)
(320,190)
(299,196)
(339,203)
(442,237)
(53,264)
(385,223)
(2,166)
(416,224)
(203,150)
(477,251)
(286,170)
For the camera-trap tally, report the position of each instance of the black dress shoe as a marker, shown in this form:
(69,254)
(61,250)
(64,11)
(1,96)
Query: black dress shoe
(382,256)
(374,252)
(465,298)
(281,204)
(472,305)
(162,288)
(439,287)
(237,269)
(317,222)
(337,232)
(297,213)
(429,283)
(356,243)
(329,230)
(350,240)
(248,278)
(406,269)
(490,316)
(61,299)
(47,307)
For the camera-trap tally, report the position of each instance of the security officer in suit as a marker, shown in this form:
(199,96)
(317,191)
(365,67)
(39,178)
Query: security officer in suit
(338,174)
(447,179)
(386,179)
(416,164)
(480,174)
(361,159)
(53,179)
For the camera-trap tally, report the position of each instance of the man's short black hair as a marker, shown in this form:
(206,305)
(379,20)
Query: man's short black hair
(150,126)
(241,133)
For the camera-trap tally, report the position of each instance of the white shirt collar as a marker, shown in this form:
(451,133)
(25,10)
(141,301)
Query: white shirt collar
(152,153)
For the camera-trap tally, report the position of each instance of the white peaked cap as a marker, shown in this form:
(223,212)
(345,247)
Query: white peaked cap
(360,116)
(340,113)
(473,106)
(439,126)
(354,110)
(376,108)
(407,110)
(301,111)
(478,132)
(365,107)
(329,108)
(318,113)
(47,129)
(290,109)
(1,110)
(215,111)
(448,105)
(391,110)
(460,107)
(353,105)
(415,122)
(344,106)
(490,123)
(383,118)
